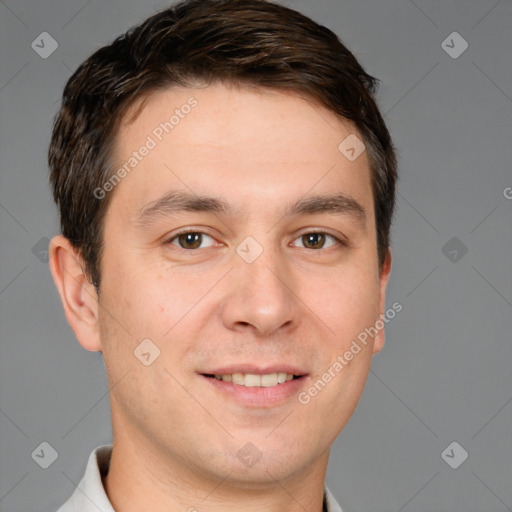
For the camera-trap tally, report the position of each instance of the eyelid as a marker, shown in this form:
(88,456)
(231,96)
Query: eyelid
(170,239)
(338,239)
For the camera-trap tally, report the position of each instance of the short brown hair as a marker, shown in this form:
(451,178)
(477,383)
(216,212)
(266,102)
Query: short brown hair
(244,42)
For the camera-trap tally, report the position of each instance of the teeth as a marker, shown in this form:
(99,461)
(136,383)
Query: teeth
(238,378)
(251,380)
(269,380)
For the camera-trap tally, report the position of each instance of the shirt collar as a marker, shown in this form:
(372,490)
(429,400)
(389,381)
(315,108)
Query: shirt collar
(90,496)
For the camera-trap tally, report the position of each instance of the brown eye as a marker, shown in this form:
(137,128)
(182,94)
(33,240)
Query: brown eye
(317,240)
(189,240)
(313,240)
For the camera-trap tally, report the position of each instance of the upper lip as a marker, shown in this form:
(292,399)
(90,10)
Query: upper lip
(255,370)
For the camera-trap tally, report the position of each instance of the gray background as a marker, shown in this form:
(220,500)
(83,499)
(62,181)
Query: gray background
(444,374)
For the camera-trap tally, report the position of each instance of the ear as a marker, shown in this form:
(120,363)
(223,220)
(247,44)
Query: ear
(77,293)
(378,343)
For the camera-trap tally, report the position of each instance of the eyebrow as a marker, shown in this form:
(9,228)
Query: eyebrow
(178,201)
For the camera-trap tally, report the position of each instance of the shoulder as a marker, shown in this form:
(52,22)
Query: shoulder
(89,494)
(332,504)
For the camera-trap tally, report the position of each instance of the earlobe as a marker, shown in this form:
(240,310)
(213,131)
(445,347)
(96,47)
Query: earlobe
(380,338)
(78,295)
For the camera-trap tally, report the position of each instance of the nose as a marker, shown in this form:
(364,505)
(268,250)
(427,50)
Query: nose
(260,296)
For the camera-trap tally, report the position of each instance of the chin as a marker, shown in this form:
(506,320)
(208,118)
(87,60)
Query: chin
(249,467)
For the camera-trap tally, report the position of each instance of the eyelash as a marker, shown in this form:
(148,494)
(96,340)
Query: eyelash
(197,232)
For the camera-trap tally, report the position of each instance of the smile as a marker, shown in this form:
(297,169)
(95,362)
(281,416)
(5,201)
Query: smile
(256,387)
(251,380)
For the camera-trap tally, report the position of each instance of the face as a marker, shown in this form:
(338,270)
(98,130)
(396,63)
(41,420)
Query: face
(273,279)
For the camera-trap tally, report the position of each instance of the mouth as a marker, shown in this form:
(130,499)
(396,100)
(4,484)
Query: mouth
(256,387)
(253,380)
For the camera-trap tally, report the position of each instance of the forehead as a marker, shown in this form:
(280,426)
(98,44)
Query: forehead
(242,143)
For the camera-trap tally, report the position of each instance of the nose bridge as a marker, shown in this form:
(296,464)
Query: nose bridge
(260,289)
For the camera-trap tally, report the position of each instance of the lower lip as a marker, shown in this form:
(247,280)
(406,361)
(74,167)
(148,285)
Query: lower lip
(258,396)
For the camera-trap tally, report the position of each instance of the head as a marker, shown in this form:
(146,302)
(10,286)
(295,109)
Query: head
(244,109)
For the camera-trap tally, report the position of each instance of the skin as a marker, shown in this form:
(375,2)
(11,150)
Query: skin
(176,437)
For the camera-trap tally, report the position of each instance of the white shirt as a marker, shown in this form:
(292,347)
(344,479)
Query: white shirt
(90,495)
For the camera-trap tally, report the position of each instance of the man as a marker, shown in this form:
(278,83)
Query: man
(226,189)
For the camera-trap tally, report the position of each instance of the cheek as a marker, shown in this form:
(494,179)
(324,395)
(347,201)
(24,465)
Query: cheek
(348,304)
(150,302)
(127,316)
(350,307)
(131,289)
